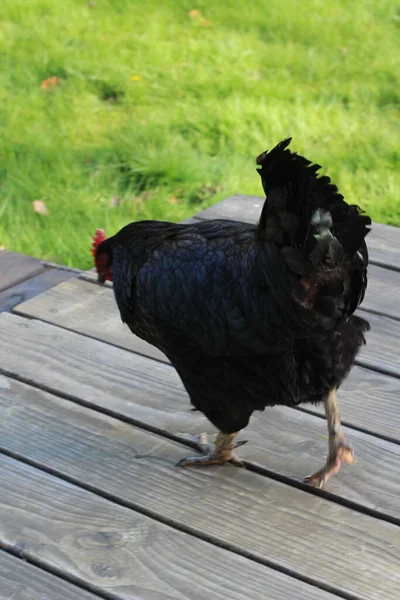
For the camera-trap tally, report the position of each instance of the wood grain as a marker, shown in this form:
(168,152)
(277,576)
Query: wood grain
(15,268)
(283,441)
(383,241)
(33,287)
(382,349)
(382,295)
(370,400)
(76,304)
(20,580)
(242,510)
(122,552)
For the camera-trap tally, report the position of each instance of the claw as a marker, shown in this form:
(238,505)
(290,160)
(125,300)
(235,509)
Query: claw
(240,443)
(343,453)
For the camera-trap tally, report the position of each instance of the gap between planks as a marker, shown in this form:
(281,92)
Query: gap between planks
(284,443)
(15,268)
(21,580)
(123,553)
(386,498)
(33,286)
(273,524)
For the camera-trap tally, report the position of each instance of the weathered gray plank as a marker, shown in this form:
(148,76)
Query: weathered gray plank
(383,241)
(20,580)
(72,305)
(382,295)
(382,349)
(290,443)
(245,511)
(384,245)
(91,309)
(238,208)
(15,268)
(370,401)
(33,287)
(122,552)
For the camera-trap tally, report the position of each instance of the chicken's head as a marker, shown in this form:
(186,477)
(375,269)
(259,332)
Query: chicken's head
(101,252)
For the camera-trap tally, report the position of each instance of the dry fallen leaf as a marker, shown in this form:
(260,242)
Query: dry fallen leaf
(173,200)
(40,207)
(51,82)
(196,15)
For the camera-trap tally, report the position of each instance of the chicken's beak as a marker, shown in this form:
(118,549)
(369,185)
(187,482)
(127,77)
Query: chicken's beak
(101,278)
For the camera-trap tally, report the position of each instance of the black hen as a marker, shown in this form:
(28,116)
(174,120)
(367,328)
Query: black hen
(251,315)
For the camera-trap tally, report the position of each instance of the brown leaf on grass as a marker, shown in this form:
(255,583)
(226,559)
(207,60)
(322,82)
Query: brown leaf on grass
(51,82)
(173,200)
(40,207)
(198,17)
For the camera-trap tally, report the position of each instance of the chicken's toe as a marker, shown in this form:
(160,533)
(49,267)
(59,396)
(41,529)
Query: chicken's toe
(342,453)
(211,458)
(218,454)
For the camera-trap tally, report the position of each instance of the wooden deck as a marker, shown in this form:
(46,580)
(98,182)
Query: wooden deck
(93,421)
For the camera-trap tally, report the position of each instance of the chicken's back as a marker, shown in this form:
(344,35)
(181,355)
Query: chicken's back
(193,286)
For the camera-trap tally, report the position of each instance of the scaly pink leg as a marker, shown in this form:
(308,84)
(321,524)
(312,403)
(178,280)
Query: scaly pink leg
(339,451)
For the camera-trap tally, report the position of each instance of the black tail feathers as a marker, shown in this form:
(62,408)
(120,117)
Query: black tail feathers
(306,212)
(318,234)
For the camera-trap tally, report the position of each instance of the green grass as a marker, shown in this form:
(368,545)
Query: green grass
(159,114)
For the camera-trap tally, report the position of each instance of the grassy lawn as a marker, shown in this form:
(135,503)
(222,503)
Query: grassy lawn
(158,108)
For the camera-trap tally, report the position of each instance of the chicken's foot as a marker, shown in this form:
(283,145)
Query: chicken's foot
(339,451)
(215,454)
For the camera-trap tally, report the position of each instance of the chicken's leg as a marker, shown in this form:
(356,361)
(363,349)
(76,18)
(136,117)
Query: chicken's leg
(219,453)
(339,451)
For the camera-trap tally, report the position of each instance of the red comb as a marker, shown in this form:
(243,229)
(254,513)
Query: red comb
(97,239)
